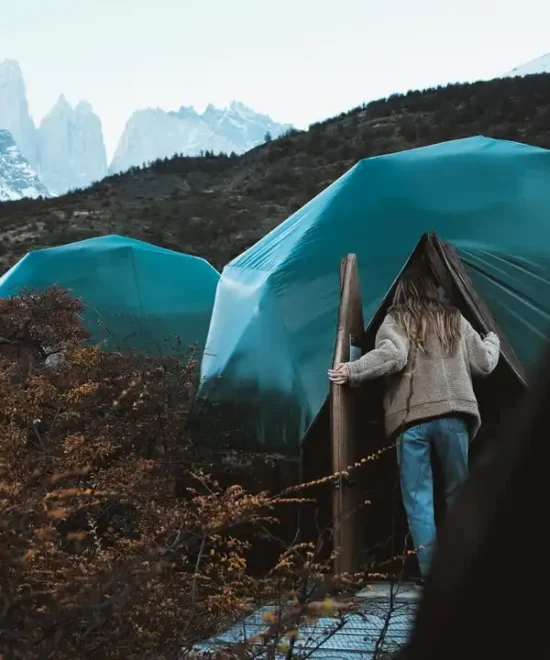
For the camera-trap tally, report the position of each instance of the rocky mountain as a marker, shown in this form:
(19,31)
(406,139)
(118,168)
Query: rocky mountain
(216,207)
(67,151)
(14,111)
(540,65)
(70,147)
(154,133)
(17,178)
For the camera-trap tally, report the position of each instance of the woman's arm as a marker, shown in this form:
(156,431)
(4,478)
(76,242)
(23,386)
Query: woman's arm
(388,357)
(483,354)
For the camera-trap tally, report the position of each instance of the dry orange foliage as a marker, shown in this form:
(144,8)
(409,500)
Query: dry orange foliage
(113,544)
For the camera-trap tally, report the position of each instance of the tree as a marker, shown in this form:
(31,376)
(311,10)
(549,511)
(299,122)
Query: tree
(268,137)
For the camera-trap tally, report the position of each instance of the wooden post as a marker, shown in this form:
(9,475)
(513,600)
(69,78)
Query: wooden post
(343,428)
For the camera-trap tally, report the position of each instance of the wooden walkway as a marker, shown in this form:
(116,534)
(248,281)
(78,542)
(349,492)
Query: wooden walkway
(383,623)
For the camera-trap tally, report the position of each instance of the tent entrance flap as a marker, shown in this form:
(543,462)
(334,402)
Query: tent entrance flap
(365,511)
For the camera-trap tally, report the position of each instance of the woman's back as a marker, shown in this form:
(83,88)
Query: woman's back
(427,352)
(435,380)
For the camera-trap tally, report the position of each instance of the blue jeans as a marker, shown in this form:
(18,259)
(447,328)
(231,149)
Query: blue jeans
(450,438)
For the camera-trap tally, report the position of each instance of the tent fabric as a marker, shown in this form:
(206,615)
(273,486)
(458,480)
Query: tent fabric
(272,332)
(137,296)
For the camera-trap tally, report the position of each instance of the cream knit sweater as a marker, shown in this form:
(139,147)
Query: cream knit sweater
(426,384)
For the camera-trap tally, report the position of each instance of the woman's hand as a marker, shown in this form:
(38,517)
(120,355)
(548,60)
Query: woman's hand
(339,375)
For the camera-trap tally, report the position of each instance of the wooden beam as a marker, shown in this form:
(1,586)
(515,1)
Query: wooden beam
(343,432)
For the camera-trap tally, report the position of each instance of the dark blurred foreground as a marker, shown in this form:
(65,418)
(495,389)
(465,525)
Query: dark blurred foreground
(486,595)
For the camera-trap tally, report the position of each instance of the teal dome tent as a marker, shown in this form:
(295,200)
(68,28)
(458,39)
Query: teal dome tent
(273,326)
(137,296)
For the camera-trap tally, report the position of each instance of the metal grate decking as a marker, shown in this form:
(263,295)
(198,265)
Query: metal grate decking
(385,618)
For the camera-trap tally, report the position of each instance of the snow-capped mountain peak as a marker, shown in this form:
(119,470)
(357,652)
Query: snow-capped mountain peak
(185,112)
(153,133)
(14,110)
(10,70)
(62,103)
(67,151)
(539,65)
(243,110)
(84,108)
(17,178)
(71,148)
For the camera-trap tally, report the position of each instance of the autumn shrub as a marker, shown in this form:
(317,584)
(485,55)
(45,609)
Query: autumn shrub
(98,554)
(117,539)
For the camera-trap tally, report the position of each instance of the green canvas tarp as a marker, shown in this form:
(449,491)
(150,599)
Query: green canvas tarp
(272,332)
(137,296)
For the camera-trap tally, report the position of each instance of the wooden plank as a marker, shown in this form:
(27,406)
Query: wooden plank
(343,427)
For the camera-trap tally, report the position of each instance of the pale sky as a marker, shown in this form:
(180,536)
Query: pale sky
(299,61)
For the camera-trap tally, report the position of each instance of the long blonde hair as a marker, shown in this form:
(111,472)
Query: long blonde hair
(418,309)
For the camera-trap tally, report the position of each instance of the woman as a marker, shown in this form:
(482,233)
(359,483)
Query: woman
(427,352)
